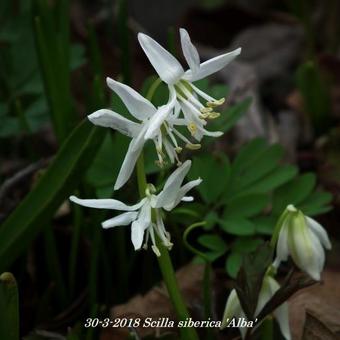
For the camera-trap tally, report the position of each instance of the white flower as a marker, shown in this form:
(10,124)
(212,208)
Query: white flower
(158,124)
(140,214)
(269,287)
(171,72)
(304,239)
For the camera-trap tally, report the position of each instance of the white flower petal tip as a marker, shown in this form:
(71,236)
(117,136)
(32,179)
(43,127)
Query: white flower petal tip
(138,106)
(73,199)
(165,64)
(304,239)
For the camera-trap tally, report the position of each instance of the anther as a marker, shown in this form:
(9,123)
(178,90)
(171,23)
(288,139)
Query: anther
(191,146)
(216,103)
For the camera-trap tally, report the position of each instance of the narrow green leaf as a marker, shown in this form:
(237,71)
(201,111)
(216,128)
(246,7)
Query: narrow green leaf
(60,179)
(9,307)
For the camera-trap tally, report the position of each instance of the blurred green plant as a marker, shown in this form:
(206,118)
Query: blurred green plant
(21,82)
(315,93)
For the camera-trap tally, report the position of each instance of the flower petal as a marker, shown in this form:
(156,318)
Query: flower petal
(106,203)
(128,165)
(303,247)
(169,193)
(280,313)
(137,105)
(161,115)
(137,234)
(122,219)
(282,251)
(165,64)
(181,194)
(189,50)
(212,65)
(319,231)
(232,309)
(140,225)
(282,317)
(108,118)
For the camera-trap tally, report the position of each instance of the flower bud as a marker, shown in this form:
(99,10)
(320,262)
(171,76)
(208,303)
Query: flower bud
(304,240)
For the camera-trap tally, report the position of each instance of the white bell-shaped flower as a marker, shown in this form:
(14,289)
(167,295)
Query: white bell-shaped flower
(304,239)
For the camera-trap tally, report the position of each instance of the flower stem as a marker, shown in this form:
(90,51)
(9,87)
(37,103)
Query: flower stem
(167,268)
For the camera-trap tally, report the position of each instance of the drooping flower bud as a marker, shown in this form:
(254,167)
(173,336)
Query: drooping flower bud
(303,239)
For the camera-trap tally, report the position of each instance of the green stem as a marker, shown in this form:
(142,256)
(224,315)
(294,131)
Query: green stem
(207,273)
(166,267)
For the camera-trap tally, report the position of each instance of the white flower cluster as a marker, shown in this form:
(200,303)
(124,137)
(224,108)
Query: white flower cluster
(161,125)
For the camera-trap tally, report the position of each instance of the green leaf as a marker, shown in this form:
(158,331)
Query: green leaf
(262,165)
(293,192)
(237,226)
(245,245)
(58,182)
(215,174)
(217,247)
(211,220)
(213,242)
(233,264)
(247,154)
(9,307)
(246,206)
(276,178)
(265,224)
(316,203)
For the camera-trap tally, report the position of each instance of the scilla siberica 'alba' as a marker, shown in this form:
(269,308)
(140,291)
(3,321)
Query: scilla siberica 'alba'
(187,94)
(304,239)
(139,215)
(158,124)
(269,287)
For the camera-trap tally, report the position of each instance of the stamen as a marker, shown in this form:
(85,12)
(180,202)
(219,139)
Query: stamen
(179,135)
(213,115)
(206,109)
(202,94)
(192,127)
(156,250)
(204,116)
(215,103)
(192,146)
(190,97)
